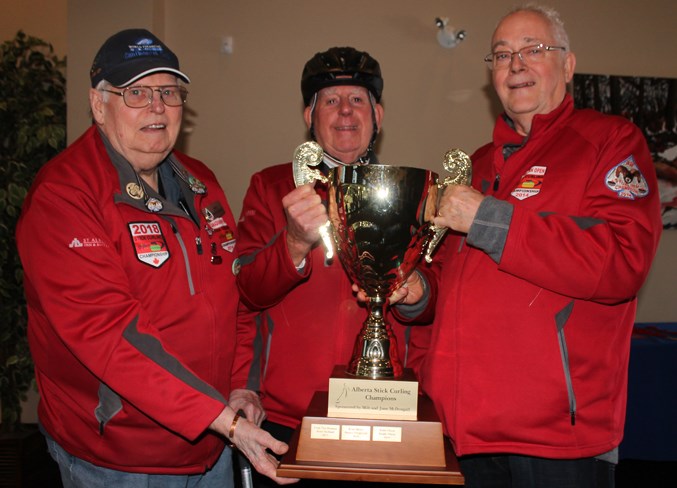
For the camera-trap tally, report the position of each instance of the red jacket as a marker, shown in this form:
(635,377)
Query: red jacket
(530,345)
(309,321)
(130,326)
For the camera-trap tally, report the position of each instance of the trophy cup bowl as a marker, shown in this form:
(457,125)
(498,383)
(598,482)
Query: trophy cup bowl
(381,222)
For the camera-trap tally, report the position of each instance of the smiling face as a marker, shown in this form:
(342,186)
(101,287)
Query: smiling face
(529,89)
(342,121)
(144,136)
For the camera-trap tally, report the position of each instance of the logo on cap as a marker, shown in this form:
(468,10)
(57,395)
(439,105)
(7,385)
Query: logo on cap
(143,47)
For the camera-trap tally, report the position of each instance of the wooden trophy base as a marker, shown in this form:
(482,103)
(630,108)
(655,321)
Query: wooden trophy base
(407,451)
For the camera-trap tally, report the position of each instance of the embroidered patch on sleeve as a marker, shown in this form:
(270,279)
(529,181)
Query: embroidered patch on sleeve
(627,180)
(149,243)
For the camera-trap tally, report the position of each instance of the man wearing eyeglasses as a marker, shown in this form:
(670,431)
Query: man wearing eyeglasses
(127,247)
(537,290)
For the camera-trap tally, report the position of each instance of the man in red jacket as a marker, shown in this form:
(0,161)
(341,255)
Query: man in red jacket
(528,362)
(127,246)
(309,317)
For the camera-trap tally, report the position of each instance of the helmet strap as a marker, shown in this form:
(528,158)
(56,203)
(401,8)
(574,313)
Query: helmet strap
(313,101)
(370,148)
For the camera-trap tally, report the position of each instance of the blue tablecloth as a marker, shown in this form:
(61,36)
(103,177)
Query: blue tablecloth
(651,421)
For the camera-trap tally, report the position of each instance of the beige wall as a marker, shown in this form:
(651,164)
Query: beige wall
(245,108)
(45,19)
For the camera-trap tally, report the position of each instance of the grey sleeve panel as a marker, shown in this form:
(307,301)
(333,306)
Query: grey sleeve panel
(584,223)
(109,406)
(561,319)
(489,229)
(249,258)
(151,347)
(254,375)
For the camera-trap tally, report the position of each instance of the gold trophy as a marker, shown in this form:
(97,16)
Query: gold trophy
(380,221)
(458,165)
(380,225)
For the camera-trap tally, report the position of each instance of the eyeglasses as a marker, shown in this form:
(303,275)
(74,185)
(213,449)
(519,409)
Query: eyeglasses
(142,96)
(528,55)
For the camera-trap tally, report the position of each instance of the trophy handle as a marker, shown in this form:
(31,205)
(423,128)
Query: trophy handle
(306,155)
(459,166)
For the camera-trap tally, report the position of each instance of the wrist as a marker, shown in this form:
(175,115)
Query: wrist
(297,251)
(233,426)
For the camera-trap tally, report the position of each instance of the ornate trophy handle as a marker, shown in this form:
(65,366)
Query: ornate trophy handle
(459,166)
(306,155)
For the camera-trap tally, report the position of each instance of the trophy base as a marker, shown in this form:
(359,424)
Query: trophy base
(371,450)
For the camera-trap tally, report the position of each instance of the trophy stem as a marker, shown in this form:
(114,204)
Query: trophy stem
(375,354)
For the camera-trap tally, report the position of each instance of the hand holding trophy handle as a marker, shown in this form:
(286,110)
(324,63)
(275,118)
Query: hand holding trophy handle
(306,155)
(458,165)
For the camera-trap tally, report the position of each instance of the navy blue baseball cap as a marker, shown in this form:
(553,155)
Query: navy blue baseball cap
(130,55)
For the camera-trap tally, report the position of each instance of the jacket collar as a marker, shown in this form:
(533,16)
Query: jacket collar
(542,124)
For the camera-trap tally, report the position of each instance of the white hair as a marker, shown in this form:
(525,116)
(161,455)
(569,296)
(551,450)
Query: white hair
(101,86)
(550,15)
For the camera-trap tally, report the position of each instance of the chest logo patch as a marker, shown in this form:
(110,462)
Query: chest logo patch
(149,243)
(627,180)
(530,183)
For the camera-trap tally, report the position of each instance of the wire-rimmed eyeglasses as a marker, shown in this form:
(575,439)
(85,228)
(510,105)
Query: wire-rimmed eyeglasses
(141,96)
(528,55)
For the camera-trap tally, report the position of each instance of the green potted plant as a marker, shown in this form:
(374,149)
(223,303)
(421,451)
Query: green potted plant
(32,130)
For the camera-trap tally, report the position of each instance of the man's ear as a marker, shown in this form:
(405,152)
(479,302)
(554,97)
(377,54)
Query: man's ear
(569,66)
(97,105)
(307,117)
(378,114)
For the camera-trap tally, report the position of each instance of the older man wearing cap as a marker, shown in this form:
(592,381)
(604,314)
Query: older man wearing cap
(309,317)
(127,247)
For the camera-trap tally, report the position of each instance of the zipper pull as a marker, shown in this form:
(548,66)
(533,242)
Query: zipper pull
(198,244)
(497,180)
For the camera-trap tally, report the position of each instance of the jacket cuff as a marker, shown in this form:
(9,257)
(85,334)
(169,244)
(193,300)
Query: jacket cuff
(489,229)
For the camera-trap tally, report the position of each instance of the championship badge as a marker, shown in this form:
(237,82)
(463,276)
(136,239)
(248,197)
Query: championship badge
(530,183)
(149,243)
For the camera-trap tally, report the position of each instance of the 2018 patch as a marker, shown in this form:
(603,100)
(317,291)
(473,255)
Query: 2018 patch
(627,180)
(530,183)
(149,243)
